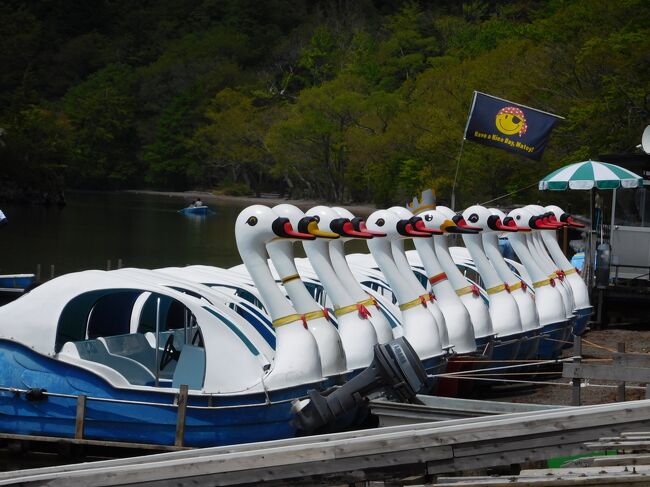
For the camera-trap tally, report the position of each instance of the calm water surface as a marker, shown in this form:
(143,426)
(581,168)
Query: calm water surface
(141,229)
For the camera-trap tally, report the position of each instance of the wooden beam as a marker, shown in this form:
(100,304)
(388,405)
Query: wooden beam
(180,415)
(80,417)
(606,372)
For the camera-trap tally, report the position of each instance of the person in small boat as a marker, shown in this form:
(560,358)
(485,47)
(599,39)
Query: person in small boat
(3,218)
(198,203)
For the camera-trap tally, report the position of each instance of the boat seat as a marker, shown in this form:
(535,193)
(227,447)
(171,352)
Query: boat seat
(190,369)
(136,347)
(96,351)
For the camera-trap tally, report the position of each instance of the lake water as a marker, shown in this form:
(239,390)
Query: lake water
(143,230)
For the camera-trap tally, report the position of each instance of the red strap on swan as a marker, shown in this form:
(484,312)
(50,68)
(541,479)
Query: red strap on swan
(363,312)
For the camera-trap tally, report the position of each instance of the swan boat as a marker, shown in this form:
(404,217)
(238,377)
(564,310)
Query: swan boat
(71,337)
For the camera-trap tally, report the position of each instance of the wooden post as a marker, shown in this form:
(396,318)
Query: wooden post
(620,396)
(577,353)
(79,420)
(119,263)
(52,271)
(565,240)
(180,418)
(108,265)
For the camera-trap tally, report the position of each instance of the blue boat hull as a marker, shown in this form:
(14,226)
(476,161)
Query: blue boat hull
(582,318)
(198,210)
(146,417)
(554,337)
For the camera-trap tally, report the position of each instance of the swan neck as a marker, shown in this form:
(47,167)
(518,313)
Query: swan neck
(281,253)
(488,274)
(254,258)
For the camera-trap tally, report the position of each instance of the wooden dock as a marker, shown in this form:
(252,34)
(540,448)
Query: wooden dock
(428,449)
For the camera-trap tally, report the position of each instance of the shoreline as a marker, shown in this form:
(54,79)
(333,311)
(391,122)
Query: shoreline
(304,204)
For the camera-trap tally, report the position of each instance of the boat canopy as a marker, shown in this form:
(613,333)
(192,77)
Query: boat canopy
(93,304)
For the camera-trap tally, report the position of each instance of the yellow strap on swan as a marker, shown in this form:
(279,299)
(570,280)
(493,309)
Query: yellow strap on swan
(419,300)
(497,289)
(285,320)
(290,278)
(543,283)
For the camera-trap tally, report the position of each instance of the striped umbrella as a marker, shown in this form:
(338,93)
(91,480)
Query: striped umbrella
(590,174)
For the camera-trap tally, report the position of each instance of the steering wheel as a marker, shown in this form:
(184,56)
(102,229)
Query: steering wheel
(169,352)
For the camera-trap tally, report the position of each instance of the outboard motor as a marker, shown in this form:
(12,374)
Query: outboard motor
(395,373)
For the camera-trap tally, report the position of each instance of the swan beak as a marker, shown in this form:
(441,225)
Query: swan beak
(572,223)
(451,227)
(359,225)
(506,225)
(345,228)
(460,222)
(283,229)
(312,228)
(420,226)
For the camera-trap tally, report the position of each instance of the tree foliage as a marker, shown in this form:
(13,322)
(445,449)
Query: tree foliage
(363,100)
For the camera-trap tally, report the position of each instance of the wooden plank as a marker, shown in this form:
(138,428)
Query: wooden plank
(439,445)
(638,459)
(74,441)
(620,445)
(586,471)
(180,415)
(80,417)
(606,372)
(631,359)
(607,480)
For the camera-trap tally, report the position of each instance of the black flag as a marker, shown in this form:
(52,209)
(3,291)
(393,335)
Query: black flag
(509,126)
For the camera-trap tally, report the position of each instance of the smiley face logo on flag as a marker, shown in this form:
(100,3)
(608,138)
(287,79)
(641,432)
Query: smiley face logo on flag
(511,121)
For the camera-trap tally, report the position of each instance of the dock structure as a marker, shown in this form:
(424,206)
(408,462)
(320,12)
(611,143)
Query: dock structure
(429,449)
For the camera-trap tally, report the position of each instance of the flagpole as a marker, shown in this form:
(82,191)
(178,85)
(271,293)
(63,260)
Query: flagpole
(453,188)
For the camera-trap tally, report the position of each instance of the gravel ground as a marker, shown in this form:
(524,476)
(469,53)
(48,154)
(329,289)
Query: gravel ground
(597,344)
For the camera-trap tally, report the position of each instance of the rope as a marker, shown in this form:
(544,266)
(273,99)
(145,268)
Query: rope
(595,345)
(505,195)
(464,372)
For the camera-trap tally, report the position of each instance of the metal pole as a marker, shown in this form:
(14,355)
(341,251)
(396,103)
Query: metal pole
(157,341)
(453,188)
(577,353)
(620,396)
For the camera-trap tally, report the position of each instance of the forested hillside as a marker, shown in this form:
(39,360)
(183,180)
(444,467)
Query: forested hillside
(342,100)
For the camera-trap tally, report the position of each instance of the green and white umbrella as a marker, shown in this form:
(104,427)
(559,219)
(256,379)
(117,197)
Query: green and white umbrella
(589,175)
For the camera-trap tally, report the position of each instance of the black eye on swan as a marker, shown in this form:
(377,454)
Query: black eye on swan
(380,222)
(252,221)
(428,217)
(473,218)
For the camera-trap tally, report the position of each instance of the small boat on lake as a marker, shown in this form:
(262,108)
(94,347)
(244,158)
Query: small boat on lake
(195,210)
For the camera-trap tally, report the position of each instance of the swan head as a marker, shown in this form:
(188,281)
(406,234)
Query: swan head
(328,218)
(358,223)
(563,217)
(457,219)
(483,218)
(508,220)
(442,220)
(416,221)
(545,219)
(524,219)
(392,225)
(304,223)
(259,224)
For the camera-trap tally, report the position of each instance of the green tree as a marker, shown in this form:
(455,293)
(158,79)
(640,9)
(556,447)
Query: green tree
(101,112)
(231,146)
